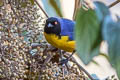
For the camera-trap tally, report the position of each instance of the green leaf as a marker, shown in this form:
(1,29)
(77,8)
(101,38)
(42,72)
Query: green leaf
(111,33)
(56,7)
(88,31)
(101,10)
(50,9)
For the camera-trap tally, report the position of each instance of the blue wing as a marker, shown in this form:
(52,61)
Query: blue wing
(67,28)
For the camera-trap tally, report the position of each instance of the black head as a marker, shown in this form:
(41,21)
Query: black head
(52,26)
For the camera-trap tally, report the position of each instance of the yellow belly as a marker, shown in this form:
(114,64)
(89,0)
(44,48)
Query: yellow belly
(62,43)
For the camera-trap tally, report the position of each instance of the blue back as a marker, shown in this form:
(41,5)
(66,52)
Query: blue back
(67,28)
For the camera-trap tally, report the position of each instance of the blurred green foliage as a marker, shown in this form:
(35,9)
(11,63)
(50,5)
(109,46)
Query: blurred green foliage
(88,28)
(89,34)
(111,33)
(52,7)
(56,7)
(87,31)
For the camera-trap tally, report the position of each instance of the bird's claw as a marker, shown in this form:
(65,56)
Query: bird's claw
(63,61)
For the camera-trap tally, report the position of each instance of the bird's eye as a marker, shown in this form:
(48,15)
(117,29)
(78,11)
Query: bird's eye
(55,23)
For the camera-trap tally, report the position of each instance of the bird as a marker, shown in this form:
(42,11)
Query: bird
(59,32)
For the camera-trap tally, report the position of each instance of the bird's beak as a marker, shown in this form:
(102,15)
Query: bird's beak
(50,25)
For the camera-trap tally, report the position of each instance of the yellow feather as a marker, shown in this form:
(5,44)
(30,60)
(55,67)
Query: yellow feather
(62,43)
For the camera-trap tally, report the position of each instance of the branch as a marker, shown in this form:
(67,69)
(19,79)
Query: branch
(114,3)
(76,6)
(41,8)
(79,66)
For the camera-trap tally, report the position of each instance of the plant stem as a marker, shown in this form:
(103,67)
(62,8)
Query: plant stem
(76,6)
(41,8)
(79,66)
(114,3)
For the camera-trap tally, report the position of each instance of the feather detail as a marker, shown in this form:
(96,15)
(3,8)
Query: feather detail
(62,43)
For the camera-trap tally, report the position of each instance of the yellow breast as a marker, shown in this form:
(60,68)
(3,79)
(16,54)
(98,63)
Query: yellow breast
(62,43)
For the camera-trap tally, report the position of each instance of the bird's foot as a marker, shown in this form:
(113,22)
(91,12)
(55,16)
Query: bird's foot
(63,61)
